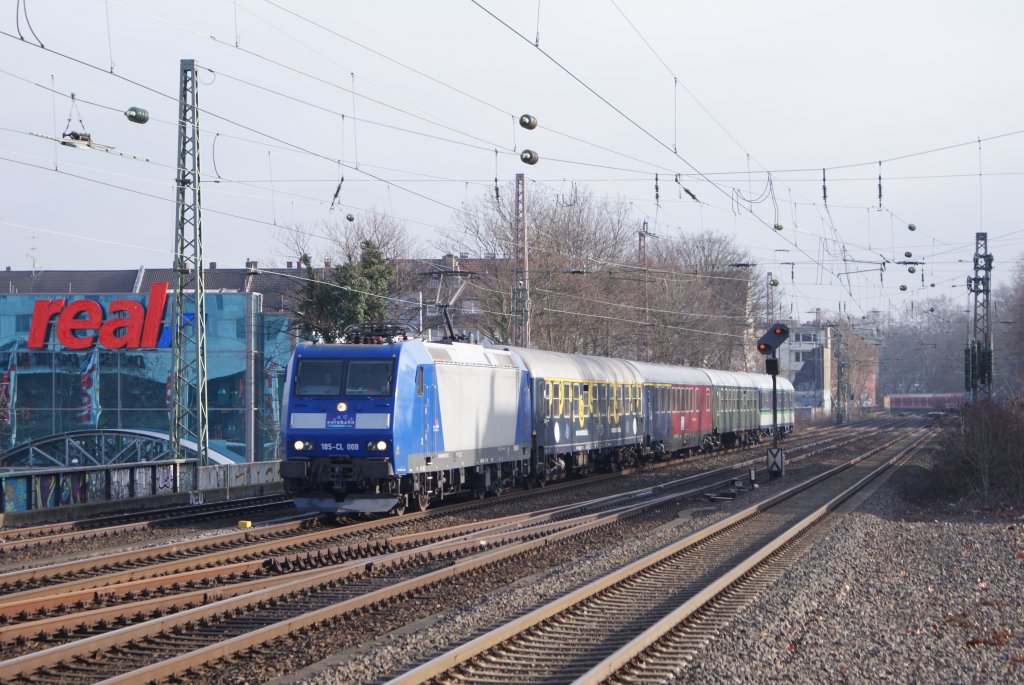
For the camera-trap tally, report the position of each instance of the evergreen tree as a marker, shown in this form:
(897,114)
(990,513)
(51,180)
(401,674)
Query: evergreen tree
(351,293)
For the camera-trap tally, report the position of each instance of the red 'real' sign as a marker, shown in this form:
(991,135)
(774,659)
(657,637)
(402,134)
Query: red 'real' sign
(82,322)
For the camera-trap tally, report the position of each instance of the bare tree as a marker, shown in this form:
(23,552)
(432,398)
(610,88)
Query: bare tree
(1008,331)
(922,351)
(691,302)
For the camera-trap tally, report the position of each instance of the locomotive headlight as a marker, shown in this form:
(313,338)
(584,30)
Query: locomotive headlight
(376,445)
(299,445)
(342,406)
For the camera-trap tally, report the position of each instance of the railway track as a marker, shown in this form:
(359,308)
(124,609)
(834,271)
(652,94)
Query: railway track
(375,580)
(50,536)
(48,611)
(642,623)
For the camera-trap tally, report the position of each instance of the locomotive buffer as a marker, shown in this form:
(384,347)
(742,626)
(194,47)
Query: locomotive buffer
(768,345)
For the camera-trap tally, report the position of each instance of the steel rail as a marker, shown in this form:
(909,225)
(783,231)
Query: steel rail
(461,654)
(511,544)
(623,656)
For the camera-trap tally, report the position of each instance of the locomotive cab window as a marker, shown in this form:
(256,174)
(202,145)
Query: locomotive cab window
(419,382)
(319,377)
(369,377)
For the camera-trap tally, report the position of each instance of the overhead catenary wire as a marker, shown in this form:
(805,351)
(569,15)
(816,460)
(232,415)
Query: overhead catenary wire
(371,179)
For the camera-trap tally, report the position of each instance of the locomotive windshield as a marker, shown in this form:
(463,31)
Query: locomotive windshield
(319,377)
(369,377)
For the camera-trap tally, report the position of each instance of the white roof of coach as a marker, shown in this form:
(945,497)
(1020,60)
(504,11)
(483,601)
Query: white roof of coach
(677,375)
(543,364)
(728,378)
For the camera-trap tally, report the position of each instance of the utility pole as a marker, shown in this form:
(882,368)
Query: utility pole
(978,356)
(188,356)
(842,391)
(642,258)
(521,269)
(771,298)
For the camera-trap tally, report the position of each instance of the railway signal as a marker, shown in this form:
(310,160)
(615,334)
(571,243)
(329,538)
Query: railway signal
(773,339)
(768,345)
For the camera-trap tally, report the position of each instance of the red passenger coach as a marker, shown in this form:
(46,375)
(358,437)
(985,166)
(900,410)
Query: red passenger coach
(926,402)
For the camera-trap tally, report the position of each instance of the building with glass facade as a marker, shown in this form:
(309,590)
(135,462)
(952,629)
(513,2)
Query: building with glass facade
(92,349)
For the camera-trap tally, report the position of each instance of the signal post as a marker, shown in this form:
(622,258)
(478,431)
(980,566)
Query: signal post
(768,345)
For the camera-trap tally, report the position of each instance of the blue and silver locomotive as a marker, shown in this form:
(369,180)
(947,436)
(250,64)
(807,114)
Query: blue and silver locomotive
(376,427)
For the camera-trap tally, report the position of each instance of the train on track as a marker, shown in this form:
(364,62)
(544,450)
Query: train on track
(395,422)
(927,402)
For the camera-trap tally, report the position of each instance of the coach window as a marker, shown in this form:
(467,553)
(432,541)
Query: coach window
(585,399)
(566,400)
(556,399)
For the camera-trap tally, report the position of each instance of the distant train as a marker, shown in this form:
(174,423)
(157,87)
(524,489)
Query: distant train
(397,423)
(927,402)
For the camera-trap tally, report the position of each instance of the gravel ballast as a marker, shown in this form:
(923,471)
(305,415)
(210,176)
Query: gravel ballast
(893,592)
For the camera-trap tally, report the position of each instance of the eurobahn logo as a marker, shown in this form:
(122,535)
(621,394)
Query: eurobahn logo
(127,324)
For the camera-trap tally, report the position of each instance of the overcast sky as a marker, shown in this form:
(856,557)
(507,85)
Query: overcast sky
(719,93)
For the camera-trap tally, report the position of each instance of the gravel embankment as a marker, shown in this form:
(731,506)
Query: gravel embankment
(894,593)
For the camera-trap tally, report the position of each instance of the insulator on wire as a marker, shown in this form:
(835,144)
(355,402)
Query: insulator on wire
(529,157)
(528,121)
(137,115)
(879,185)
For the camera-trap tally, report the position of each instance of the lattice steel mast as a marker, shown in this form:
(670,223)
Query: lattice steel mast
(188,373)
(979,361)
